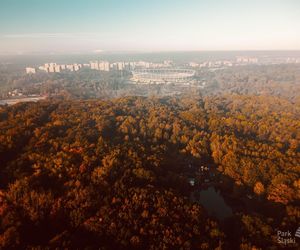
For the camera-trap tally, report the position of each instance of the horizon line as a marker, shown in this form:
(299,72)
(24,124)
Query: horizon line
(21,53)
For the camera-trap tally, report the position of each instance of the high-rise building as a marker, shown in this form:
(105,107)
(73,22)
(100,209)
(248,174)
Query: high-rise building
(51,69)
(241,59)
(103,65)
(127,66)
(76,67)
(94,65)
(70,67)
(57,68)
(120,65)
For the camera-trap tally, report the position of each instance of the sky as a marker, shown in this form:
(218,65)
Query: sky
(75,26)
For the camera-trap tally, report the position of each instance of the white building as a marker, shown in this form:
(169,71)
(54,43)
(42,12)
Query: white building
(30,70)
(43,68)
(244,59)
(57,68)
(70,67)
(120,65)
(76,67)
(103,65)
(51,69)
(94,65)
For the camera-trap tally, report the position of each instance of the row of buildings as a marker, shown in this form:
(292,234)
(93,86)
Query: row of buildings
(97,65)
(55,68)
(106,66)
(240,60)
(245,60)
(210,64)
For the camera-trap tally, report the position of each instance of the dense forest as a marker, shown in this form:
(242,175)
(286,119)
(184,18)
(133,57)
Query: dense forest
(114,174)
(282,80)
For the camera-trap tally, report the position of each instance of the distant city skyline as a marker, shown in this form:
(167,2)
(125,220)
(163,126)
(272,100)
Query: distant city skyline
(65,26)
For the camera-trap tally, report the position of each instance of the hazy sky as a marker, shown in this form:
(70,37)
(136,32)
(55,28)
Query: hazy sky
(148,25)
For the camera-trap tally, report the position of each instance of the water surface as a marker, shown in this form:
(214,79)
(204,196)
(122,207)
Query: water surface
(214,203)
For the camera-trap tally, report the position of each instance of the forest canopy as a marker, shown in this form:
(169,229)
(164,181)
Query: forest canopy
(115,174)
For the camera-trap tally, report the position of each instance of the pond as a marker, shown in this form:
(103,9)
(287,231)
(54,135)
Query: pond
(213,202)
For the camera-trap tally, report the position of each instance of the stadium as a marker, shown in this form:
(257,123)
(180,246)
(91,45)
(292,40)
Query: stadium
(158,76)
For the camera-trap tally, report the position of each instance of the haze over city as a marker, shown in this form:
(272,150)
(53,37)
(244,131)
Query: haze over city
(34,26)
